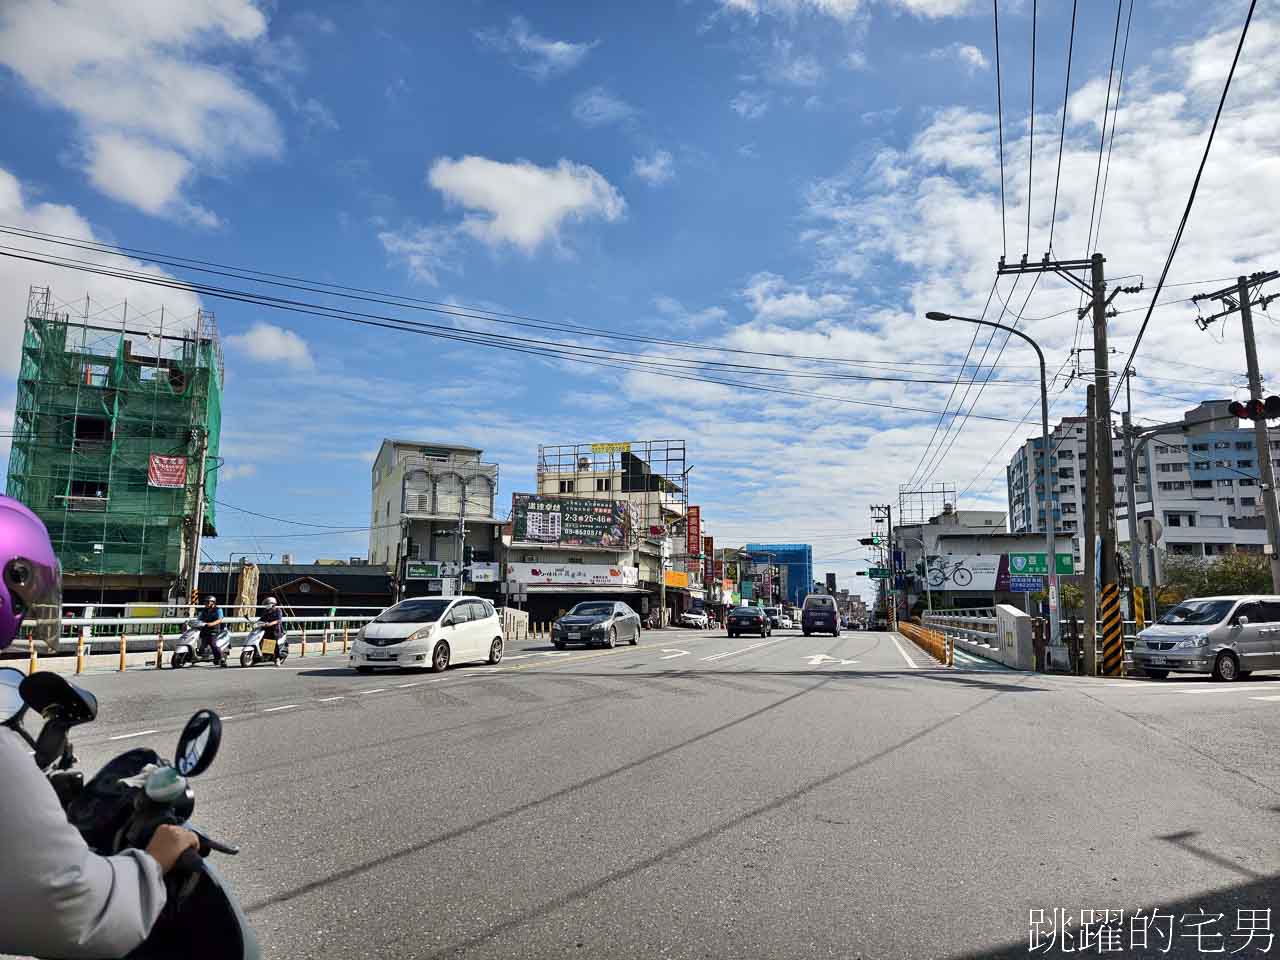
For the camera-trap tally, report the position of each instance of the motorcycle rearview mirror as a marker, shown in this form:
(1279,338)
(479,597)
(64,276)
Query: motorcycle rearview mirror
(51,696)
(198,744)
(52,743)
(11,702)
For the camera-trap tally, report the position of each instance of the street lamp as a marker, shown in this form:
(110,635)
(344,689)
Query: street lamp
(1051,524)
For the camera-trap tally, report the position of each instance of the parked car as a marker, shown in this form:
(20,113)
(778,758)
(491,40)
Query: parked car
(604,623)
(1227,637)
(749,620)
(818,615)
(785,622)
(695,618)
(775,617)
(429,632)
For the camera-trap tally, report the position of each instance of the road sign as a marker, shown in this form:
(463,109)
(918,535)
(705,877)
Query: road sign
(1037,564)
(1150,530)
(879,573)
(1025,584)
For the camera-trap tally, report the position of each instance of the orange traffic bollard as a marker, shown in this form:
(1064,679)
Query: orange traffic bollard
(122,652)
(80,654)
(302,645)
(159,650)
(324,643)
(345,628)
(32,659)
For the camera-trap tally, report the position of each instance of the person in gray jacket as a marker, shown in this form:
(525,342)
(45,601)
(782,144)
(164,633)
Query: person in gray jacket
(60,899)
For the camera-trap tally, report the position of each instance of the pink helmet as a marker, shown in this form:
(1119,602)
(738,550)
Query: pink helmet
(30,578)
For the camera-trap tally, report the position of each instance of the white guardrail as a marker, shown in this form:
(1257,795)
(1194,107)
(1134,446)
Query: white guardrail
(979,625)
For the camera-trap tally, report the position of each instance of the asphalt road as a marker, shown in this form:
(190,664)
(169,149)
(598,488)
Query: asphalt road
(700,796)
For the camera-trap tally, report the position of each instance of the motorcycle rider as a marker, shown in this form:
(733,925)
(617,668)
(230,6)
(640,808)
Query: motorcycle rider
(60,898)
(273,621)
(210,617)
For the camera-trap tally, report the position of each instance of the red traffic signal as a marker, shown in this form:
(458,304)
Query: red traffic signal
(1268,409)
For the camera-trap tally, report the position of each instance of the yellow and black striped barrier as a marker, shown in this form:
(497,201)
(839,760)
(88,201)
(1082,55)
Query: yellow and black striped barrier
(1112,631)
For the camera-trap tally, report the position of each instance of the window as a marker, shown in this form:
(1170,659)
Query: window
(1210,520)
(1180,519)
(93,489)
(1222,463)
(1171,467)
(1068,525)
(95,374)
(566,486)
(1066,473)
(1242,464)
(604,483)
(1222,444)
(1248,482)
(1247,501)
(388,515)
(1169,485)
(92,430)
(1198,465)
(1202,484)
(1200,447)
(1244,444)
(1182,549)
(1227,501)
(1226,483)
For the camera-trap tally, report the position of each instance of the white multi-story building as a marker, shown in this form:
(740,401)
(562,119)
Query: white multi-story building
(1199,478)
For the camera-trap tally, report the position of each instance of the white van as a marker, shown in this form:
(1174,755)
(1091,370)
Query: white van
(430,632)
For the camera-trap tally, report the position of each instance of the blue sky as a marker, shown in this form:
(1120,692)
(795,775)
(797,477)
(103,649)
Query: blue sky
(785,176)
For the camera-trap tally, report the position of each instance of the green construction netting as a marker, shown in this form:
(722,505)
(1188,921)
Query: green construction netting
(90,413)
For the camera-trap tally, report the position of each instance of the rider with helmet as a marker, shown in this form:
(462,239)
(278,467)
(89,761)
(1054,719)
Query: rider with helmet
(273,621)
(210,617)
(60,898)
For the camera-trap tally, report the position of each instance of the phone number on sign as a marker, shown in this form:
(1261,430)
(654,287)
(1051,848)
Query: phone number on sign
(1152,931)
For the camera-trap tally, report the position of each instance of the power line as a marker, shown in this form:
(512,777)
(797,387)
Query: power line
(1004,236)
(1062,134)
(1106,110)
(456,311)
(1031,148)
(516,345)
(1115,118)
(1191,199)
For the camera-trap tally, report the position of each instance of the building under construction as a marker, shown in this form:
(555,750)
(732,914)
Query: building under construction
(115,443)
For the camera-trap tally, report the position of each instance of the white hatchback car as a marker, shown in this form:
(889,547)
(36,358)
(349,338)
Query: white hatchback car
(430,632)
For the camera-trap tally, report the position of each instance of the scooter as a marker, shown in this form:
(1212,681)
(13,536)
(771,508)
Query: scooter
(121,807)
(258,648)
(190,650)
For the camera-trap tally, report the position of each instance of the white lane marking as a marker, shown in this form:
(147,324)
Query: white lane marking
(374,690)
(126,736)
(674,653)
(519,656)
(910,663)
(233,716)
(1128,683)
(731,653)
(287,706)
(1274,699)
(818,659)
(402,686)
(1223,690)
(330,699)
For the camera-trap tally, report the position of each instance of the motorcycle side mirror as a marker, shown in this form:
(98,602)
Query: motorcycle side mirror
(198,744)
(54,698)
(52,742)
(11,702)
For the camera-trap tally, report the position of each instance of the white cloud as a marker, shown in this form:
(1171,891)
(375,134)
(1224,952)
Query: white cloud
(236,471)
(133,76)
(966,54)
(267,343)
(771,298)
(749,104)
(69,287)
(856,60)
(682,315)
(521,203)
(656,169)
(538,55)
(748,151)
(802,71)
(843,11)
(597,107)
(423,250)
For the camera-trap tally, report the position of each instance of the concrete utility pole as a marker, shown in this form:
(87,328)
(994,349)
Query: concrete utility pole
(1131,485)
(197,522)
(1095,288)
(1239,297)
(1090,640)
(883,513)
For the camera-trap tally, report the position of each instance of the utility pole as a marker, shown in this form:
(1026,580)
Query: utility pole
(1240,297)
(197,521)
(883,513)
(1131,482)
(1090,640)
(1095,288)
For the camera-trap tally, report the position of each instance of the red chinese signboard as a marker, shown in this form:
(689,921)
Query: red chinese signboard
(693,533)
(166,471)
(708,557)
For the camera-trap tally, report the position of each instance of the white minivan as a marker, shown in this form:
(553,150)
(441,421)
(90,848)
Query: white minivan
(430,632)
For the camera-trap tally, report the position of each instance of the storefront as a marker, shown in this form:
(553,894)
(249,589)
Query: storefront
(554,588)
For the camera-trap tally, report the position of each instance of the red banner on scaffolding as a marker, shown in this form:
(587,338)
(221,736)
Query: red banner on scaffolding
(166,471)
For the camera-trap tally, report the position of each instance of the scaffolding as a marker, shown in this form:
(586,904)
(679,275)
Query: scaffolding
(648,475)
(100,392)
(919,505)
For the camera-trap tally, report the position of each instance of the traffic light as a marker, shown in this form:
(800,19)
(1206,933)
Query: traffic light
(1268,409)
(468,552)
(861,573)
(872,541)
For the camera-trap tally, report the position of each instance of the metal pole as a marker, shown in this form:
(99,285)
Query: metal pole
(197,523)
(1260,438)
(1109,600)
(1090,640)
(1051,523)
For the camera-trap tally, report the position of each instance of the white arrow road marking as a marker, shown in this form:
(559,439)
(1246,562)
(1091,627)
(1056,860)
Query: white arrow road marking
(674,654)
(819,659)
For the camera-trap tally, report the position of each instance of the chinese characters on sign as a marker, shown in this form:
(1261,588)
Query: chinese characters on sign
(708,558)
(166,471)
(1149,932)
(693,533)
(569,521)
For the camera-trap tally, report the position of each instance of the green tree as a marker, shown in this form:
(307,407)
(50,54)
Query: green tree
(1239,573)
(1072,598)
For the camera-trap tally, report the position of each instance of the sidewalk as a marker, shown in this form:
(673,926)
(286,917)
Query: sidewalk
(65,664)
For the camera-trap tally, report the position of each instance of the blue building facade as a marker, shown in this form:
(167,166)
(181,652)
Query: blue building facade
(796,558)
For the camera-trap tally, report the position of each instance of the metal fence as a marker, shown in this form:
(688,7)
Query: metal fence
(979,624)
